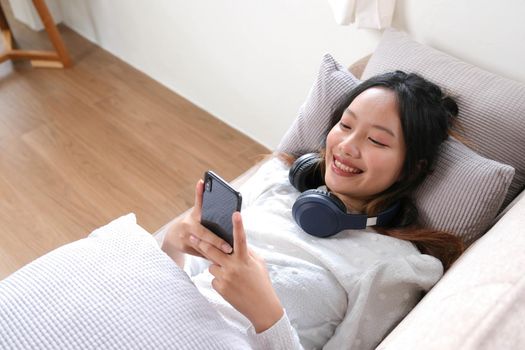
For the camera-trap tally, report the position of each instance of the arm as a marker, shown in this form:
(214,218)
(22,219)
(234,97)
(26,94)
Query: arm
(281,336)
(242,279)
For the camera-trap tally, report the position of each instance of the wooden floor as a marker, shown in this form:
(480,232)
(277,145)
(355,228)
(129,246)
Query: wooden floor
(82,146)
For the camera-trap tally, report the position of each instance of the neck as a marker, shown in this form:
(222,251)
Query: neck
(353,205)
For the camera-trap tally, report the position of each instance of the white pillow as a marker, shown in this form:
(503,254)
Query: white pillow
(113,290)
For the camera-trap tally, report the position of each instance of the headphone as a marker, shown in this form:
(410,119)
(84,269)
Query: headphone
(318,211)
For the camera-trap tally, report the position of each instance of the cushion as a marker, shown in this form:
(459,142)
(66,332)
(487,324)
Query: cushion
(306,132)
(115,290)
(464,192)
(462,195)
(491,108)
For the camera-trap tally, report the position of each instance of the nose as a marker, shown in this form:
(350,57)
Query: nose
(350,147)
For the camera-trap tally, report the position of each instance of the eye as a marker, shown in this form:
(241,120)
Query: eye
(377,142)
(344,126)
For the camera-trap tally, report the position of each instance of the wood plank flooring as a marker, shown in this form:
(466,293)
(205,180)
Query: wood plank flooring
(82,146)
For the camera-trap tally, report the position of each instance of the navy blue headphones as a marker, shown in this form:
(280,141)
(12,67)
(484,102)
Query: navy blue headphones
(319,212)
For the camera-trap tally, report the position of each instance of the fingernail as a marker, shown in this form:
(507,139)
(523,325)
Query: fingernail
(226,248)
(193,239)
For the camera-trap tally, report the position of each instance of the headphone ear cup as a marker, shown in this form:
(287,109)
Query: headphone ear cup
(306,172)
(332,198)
(319,213)
(339,203)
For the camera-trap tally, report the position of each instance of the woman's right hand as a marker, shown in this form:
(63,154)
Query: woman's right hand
(184,233)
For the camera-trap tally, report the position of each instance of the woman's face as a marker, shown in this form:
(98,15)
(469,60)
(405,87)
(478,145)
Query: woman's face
(365,151)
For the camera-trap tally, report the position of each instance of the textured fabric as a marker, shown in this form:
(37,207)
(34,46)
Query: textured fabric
(342,292)
(306,134)
(491,108)
(279,337)
(464,193)
(113,290)
(480,302)
(457,167)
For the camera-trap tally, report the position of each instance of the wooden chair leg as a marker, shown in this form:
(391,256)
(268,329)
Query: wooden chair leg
(50,59)
(4,25)
(6,37)
(52,32)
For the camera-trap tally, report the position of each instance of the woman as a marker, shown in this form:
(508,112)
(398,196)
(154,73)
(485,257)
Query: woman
(350,289)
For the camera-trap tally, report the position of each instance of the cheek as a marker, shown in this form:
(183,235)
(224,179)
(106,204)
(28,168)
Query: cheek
(331,138)
(331,141)
(386,166)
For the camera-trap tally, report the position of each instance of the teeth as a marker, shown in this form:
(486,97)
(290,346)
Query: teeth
(346,169)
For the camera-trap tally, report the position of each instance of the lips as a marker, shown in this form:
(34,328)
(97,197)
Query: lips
(344,168)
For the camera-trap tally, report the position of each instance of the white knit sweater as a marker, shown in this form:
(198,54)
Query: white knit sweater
(342,292)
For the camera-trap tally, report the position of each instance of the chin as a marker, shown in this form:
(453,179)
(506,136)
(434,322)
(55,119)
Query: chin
(332,183)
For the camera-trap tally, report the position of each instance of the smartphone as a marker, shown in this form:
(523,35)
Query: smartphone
(219,202)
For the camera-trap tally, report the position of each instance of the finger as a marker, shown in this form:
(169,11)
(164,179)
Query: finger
(210,252)
(193,247)
(197,207)
(252,254)
(240,246)
(215,270)
(216,283)
(204,234)
(194,251)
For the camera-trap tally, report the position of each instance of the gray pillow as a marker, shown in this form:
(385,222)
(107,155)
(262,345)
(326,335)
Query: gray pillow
(306,132)
(113,290)
(462,195)
(491,108)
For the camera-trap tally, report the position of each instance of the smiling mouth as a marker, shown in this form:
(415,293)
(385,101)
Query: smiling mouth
(345,168)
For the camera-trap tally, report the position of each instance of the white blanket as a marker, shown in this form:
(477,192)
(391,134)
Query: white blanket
(113,290)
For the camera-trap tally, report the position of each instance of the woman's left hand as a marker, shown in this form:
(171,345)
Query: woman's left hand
(242,279)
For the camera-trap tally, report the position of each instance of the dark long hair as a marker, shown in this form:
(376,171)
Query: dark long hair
(427,115)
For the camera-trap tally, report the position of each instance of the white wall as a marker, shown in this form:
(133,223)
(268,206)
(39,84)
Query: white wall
(487,33)
(25,12)
(251,62)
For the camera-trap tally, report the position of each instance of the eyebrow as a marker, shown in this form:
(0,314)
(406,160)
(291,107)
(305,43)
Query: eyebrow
(380,127)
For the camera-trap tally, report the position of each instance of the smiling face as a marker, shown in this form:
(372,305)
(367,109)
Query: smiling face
(365,151)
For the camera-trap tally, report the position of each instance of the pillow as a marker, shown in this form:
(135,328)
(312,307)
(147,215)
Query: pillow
(462,195)
(306,133)
(491,108)
(464,192)
(115,289)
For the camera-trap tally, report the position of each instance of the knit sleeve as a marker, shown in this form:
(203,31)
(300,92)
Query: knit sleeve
(280,336)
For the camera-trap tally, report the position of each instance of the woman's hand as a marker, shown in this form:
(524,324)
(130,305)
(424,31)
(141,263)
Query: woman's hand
(242,279)
(186,232)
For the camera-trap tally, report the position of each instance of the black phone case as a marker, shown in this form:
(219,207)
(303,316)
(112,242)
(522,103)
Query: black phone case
(219,202)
